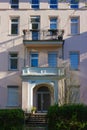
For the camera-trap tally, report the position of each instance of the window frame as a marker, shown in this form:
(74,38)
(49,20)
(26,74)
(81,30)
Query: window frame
(9,102)
(10,62)
(37,5)
(74,5)
(32,58)
(37,23)
(53,27)
(53,52)
(55,6)
(78,55)
(77,24)
(14,5)
(54,23)
(14,23)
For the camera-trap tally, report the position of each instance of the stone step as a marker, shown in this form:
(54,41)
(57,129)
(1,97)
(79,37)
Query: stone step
(36,120)
(36,128)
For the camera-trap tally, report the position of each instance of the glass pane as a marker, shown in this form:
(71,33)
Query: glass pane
(74,4)
(15,1)
(14,29)
(52,60)
(74,29)
(13,55)
(53,19)
(39,102)
(14,20)
(74,25)
(53,1)
(46,101)
(34,35)
(53,26)
(13,64)
(35,4)
(43,89)
(34,63)
(74,60)
(74,20)
(34,55)
(35,19)
(35,26)
(13,96)
(53,4)
(53,23)
(35,1)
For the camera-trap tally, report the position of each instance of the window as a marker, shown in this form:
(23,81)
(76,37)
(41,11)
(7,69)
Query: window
(13,61)
(35,23)
(13,96)
(74,26)
(35,4)
(34,59)
(53,26)
(53,4)
(74,60)
(52,59)
(14,25)
(74,4)
(53,23)
(15,4)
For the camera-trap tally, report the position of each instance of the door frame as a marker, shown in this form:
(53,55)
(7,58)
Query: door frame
(42,93)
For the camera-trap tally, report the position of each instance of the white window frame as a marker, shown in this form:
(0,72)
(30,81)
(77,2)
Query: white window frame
(54,52)
(13,92)
(77,53)
(38,23)
(74,4)
(10,58)
(74,24)
(35,4)
(17,23)
(14,6)
(32,58)
(54,22)
(49,1)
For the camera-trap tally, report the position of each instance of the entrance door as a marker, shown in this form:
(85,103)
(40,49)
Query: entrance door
(43,99)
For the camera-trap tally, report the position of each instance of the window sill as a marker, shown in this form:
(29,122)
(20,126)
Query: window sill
(73,34)
(12,106)
(13,70)
(13,34)
(74,69)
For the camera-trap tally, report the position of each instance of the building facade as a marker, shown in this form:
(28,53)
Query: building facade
(42,50)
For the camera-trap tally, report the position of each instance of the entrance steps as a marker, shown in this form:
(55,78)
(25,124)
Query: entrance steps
(37,121)
(36,128)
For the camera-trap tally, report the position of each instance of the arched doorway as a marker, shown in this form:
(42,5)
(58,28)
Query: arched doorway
(43,99)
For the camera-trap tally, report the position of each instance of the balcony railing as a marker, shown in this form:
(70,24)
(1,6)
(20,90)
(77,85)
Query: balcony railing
(51,34)
(41,71)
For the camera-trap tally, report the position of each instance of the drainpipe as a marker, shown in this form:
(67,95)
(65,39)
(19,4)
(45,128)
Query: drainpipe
(24,56)
(63,50)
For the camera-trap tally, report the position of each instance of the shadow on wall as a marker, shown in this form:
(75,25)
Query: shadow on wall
(8,77)
(78,43)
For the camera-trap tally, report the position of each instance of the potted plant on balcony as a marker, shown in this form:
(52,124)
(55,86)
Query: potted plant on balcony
(33,109)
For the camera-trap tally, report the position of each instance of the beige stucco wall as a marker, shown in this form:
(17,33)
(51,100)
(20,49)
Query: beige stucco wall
(9,43)
(25,95)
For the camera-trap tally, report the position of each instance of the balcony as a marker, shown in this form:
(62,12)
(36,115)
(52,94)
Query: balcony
(43,71)
(43,37)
